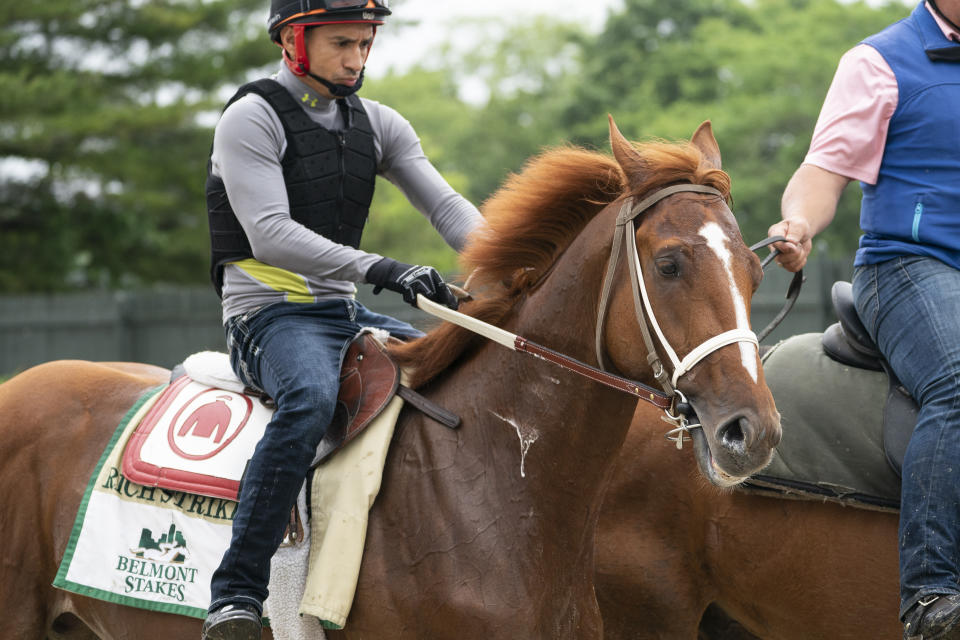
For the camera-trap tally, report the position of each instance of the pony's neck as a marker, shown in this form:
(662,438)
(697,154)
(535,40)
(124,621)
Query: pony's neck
(568,427)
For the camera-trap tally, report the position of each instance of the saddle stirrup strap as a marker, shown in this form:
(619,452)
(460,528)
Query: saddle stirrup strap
(431,409)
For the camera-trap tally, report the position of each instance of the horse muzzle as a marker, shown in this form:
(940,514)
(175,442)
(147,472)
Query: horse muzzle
(738,448)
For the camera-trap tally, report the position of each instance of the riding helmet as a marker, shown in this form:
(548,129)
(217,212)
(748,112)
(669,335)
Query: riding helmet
(318,12)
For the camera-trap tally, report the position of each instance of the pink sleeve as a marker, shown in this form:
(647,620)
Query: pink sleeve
(852,128)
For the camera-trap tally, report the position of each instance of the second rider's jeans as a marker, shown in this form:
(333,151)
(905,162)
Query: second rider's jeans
(911,307)
(292,352)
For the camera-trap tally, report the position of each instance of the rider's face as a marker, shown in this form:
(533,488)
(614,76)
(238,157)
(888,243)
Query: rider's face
(337,52)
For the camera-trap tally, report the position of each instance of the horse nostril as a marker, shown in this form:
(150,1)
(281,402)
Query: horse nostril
(731,435)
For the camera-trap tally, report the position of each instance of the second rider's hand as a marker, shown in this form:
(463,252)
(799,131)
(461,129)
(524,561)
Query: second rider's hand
(410,280)
(799,241)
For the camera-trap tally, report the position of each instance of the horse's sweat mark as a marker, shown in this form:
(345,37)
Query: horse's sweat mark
(525,441)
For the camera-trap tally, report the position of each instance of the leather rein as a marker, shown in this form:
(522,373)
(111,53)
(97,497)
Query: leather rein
(670,400)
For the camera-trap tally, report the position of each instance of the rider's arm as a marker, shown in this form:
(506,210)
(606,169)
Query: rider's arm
(848,144)
(808,206)
(405,165)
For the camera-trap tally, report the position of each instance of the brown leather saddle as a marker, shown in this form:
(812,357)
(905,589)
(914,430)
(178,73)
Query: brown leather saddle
(369,379)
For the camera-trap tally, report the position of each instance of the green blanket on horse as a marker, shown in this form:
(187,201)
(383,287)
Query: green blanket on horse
(832,416)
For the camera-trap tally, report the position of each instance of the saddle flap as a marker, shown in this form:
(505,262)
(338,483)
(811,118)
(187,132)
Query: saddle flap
(845,429)
(368,380)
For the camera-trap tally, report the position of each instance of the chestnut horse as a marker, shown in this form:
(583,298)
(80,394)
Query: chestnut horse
(670,548)
(487,531)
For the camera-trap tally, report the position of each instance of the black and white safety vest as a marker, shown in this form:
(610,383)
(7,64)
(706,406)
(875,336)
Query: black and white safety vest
(330,177)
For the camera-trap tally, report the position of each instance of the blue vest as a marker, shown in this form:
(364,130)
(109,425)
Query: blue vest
(914,209)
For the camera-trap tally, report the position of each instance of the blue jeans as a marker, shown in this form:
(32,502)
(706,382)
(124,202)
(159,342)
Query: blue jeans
(291,351)
(911,307)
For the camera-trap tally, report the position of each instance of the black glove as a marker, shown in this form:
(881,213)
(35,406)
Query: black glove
(409,280)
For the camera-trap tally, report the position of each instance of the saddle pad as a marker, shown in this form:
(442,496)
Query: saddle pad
(142,546)
(196,438)
(832,418)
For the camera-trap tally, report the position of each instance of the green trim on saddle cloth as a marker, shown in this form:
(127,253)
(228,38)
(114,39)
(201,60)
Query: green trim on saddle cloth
(130,419)
(832,417)
(111,562)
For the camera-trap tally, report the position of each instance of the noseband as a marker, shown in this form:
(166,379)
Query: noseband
(625,236)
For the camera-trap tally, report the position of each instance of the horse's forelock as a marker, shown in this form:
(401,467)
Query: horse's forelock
(665,163)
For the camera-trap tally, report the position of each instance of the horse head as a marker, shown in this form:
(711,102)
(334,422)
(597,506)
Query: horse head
(693,281)
(538,267)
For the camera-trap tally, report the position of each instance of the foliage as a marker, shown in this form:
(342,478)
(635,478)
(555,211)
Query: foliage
(473,146)
(100,134)
(109,106)
(395,228)
(758,70)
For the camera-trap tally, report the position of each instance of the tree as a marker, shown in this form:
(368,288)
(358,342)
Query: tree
(758,70)
(105,112)
(428,99)
(527,70)
(107,109)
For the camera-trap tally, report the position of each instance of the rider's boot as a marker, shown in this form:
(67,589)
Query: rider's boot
(232,622)
(936,618)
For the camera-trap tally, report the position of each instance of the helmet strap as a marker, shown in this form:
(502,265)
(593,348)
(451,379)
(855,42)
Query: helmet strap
(953,25)
(339,90)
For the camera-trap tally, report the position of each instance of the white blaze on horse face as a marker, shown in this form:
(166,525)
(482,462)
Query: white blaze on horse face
(717,240)
(525,441)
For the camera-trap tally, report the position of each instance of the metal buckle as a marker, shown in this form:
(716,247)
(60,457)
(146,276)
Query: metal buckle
(681,430)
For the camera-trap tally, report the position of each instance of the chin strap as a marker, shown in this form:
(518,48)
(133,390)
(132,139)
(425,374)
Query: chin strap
(339,90)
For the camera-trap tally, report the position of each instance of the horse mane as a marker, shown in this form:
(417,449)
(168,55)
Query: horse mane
(531,220)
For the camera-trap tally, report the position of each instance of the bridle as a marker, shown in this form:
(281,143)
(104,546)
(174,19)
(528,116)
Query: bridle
(674,405)
(625,234)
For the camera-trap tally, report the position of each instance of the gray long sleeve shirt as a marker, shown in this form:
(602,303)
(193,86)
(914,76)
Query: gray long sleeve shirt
(291,262)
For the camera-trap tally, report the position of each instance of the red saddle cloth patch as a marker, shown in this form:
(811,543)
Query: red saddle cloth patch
(196,438)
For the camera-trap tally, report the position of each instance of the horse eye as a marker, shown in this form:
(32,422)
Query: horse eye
(668,268)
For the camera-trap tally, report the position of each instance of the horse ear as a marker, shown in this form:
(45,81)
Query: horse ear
(704,141)
(627,157)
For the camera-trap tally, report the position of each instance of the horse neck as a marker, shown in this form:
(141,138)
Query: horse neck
(571,427)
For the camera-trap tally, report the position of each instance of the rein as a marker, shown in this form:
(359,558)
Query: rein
(793,289)
(521,344)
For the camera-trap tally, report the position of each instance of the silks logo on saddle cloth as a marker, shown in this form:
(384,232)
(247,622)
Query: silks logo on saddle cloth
(142,545)
(196,438)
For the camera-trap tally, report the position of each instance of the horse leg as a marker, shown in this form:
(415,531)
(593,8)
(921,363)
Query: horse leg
(653,580)
(661,605)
